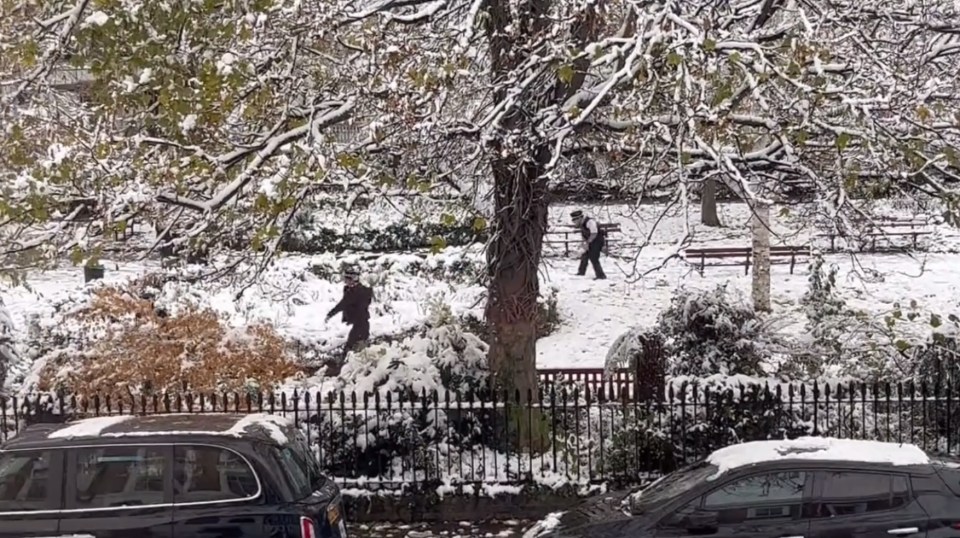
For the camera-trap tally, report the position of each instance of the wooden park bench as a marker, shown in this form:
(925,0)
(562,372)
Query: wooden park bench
(571,237)
(886,229)
(737,256)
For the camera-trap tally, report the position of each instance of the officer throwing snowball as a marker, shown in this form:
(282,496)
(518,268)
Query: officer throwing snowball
(355,307)
(593,241)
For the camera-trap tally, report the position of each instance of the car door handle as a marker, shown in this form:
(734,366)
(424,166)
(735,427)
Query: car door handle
(904,531)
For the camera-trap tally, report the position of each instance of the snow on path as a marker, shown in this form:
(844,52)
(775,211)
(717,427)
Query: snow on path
(595,313)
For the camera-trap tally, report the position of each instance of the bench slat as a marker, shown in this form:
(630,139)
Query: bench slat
(743,251)
(779,255)
(720,255)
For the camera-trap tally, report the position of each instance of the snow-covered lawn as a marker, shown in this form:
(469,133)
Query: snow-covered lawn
(594,313)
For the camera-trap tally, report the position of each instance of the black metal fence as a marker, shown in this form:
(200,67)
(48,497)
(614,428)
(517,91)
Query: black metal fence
(561,435)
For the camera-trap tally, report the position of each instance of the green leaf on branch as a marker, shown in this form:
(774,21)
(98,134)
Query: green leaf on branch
(674,59)
(902,345)
(565,73)
(843,140)
(479,224)
(709,45)
(76,255)
(349,161)
(935,321)
(437,244)
(447,219)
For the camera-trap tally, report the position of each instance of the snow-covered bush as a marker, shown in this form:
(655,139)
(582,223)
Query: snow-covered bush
(644,353)
(393,400)
(701,333)
(830,324)
(712,332)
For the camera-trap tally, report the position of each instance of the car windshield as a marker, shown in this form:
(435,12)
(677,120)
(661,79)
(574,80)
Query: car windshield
(671,486)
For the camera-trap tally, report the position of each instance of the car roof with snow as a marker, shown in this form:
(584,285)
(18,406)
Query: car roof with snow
(257,426)
(816,449)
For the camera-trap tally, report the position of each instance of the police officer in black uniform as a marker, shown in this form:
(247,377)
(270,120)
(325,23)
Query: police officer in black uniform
(593,241)
(355,306)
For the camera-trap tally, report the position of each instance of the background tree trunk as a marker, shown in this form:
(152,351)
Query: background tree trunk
(760,224)
(708,204)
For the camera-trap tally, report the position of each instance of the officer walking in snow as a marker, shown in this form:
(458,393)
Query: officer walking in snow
(355,306)
(594,240)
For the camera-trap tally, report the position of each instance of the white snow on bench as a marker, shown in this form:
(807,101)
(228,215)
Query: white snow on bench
(88,427)
(815,448)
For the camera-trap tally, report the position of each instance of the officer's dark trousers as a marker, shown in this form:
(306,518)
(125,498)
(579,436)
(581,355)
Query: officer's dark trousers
(593,256)
(359,332)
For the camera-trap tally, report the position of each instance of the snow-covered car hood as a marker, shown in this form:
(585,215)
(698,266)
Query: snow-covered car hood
(605,508)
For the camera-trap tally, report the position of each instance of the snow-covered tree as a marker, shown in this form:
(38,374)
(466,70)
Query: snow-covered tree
(217,118)
(8,350)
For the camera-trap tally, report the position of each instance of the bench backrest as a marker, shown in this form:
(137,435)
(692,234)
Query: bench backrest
(744,251)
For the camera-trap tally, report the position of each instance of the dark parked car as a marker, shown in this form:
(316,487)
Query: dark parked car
(166,476)
(806,488)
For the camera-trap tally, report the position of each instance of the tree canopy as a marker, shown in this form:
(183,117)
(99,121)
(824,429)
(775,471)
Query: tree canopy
(222,116)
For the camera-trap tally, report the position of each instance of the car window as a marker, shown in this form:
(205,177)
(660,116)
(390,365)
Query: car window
(844,493)
(113,476)
(296,471)
(207,473)
(767,496)
(302,447)
(23,481)
(761,488)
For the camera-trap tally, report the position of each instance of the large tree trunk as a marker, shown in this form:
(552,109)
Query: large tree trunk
(519,154)
(708,204)
(517,158)
(760,225)
(513,259)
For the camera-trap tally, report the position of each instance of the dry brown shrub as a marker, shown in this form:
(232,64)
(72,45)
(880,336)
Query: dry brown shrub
(139,349)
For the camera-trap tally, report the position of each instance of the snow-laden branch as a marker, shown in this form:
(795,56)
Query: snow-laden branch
(269,148)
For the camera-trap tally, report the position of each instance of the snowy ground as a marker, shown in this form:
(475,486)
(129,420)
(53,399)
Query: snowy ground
(594,313)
